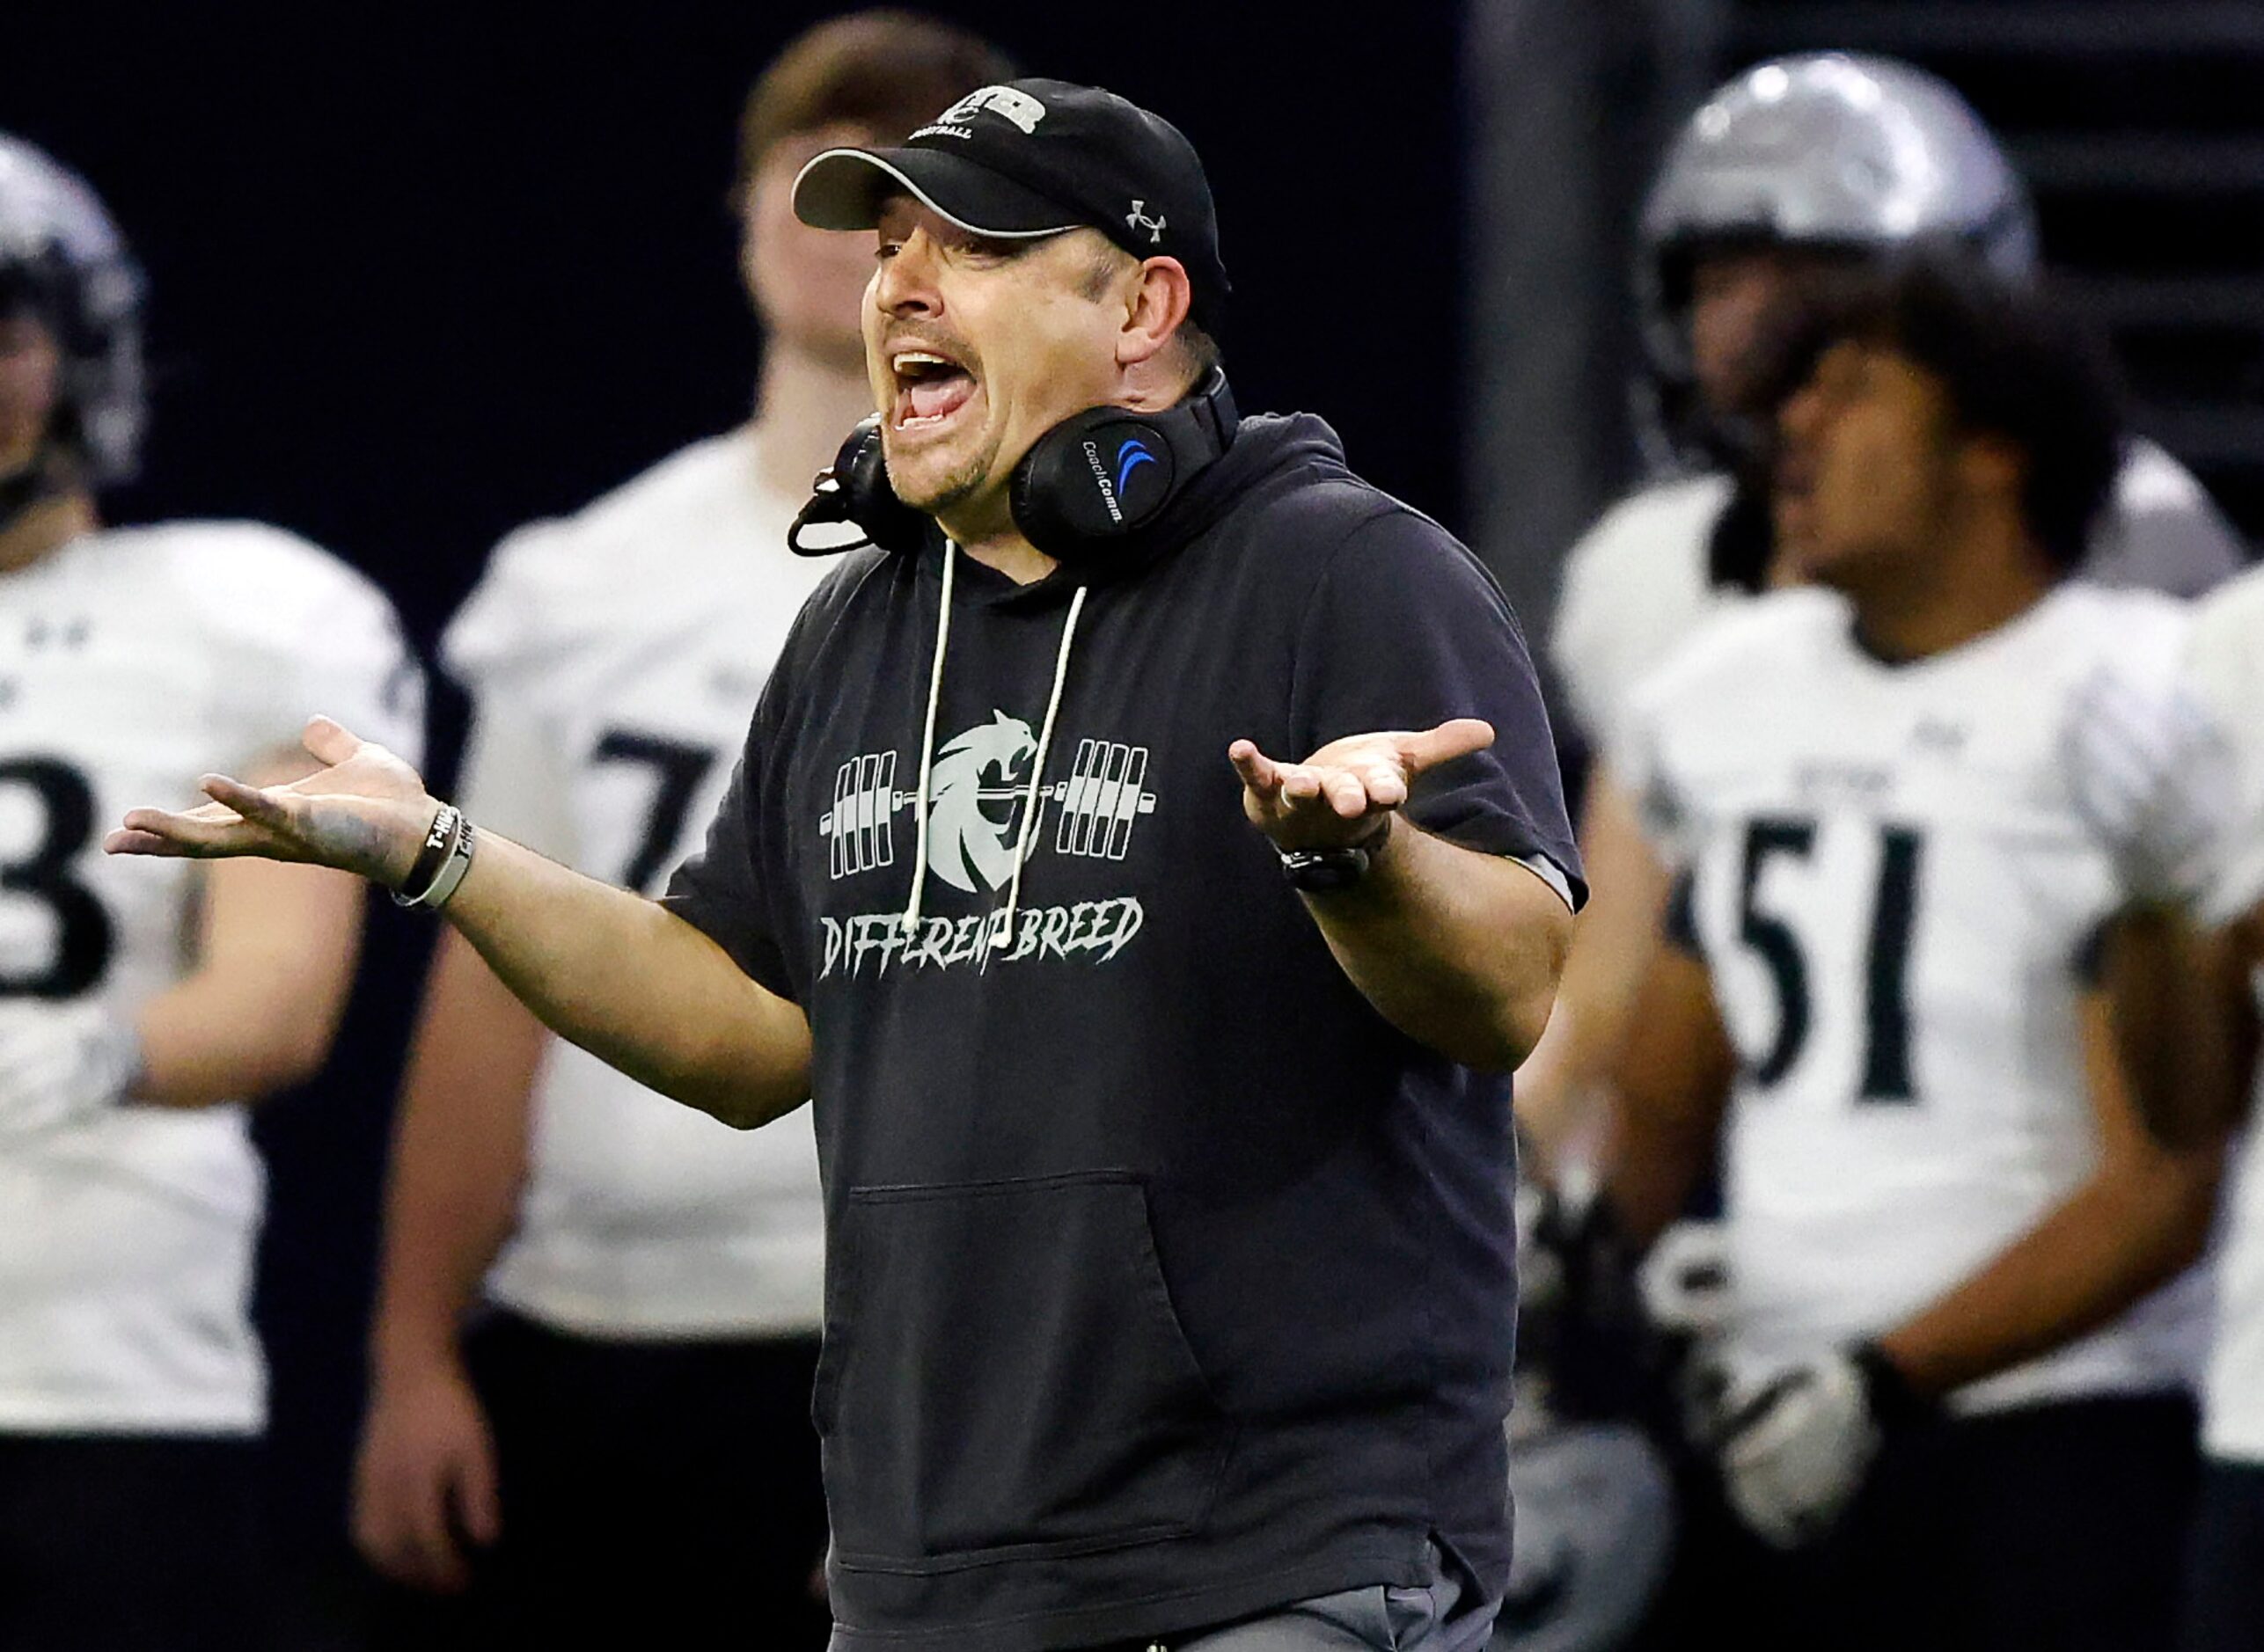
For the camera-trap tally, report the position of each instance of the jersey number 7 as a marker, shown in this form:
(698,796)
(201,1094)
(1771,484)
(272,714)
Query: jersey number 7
(677,770)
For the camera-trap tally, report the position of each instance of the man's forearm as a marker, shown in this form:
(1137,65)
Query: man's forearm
(634,985)
(1460,951)
(2129,1230)
(628,980)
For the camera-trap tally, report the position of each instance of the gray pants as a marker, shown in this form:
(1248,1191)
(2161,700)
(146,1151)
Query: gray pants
(1422,1618)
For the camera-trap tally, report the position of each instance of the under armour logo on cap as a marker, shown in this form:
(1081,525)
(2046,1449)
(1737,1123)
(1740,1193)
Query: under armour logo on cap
(1137,219)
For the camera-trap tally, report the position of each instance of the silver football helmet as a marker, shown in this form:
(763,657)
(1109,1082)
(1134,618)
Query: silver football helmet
(62,258)
(1828,149)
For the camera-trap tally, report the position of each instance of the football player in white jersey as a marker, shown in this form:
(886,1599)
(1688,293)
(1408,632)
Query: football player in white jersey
(1950,1394)
(2225,1604)
(140,1008)
(625,1436)
(1799,169)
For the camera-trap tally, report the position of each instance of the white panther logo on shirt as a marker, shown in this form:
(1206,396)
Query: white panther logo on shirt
(1090,812)
(964,842)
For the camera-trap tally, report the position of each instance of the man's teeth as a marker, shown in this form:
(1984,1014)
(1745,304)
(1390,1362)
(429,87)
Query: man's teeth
(904,359)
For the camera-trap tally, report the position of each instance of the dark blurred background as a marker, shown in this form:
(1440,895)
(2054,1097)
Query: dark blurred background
(419,276)
(414,283)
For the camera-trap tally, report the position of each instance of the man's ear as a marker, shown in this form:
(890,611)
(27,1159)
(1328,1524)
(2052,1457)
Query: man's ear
(1159,303)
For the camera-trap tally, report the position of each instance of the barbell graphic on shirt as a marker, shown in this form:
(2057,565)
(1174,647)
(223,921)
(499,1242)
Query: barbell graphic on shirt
(1096,805)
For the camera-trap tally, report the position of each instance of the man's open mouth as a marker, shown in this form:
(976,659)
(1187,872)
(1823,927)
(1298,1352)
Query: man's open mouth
(929,388)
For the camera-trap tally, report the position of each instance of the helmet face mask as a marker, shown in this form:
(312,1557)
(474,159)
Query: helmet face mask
(1830,152)
(63,261)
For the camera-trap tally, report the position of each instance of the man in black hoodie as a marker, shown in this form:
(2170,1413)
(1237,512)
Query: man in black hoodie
(1168,1161)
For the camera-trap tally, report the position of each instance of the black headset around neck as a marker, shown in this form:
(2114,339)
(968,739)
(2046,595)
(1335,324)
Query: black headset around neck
(1083,489)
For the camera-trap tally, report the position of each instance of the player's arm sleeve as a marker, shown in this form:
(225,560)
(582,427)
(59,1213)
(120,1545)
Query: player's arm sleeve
(1407,630)
(503,650)
(2153,777)
(1633,759)
(303,635)
(514,780)
(2163,531)
(501,631)
(2224,672)
(356,669)
(1577,637)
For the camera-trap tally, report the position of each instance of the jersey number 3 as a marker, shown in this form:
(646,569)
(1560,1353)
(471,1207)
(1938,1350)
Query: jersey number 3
(84,933)
(1886,969)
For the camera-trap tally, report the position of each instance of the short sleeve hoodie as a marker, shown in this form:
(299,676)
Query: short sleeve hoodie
(1166,1280)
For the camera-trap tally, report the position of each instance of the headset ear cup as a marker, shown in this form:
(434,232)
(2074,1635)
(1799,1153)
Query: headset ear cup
(870,499)
(1026,501)
(1092,480)
(1100,476)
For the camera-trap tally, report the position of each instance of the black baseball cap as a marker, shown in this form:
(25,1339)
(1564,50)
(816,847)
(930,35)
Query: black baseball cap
(1034,157)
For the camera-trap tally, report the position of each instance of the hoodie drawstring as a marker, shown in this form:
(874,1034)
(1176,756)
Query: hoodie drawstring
(1038,763)
(928,741)
(1030,802)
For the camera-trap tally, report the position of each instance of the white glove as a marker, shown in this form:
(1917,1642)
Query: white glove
(1795,1444)
(60,1063)
(1686,1282)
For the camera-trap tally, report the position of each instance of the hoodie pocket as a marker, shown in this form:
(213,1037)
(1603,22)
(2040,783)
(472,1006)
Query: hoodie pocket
(1004,1378)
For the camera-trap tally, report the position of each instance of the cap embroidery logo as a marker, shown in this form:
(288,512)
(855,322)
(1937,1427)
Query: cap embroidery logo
(1137,219)
(1017,106)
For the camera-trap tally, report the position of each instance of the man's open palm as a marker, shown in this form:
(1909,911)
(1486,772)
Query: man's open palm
(1339,794)
(365,812)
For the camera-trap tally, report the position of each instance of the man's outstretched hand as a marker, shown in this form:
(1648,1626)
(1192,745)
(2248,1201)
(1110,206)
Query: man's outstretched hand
(1340,795)
(365,811)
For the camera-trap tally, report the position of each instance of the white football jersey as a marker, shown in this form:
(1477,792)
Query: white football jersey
(1635,587)
(132,662)
(2227,661)
(1638,583)
(616,657)
(1895,873)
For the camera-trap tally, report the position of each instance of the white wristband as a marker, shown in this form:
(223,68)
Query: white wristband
(451,872)
(454,864)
